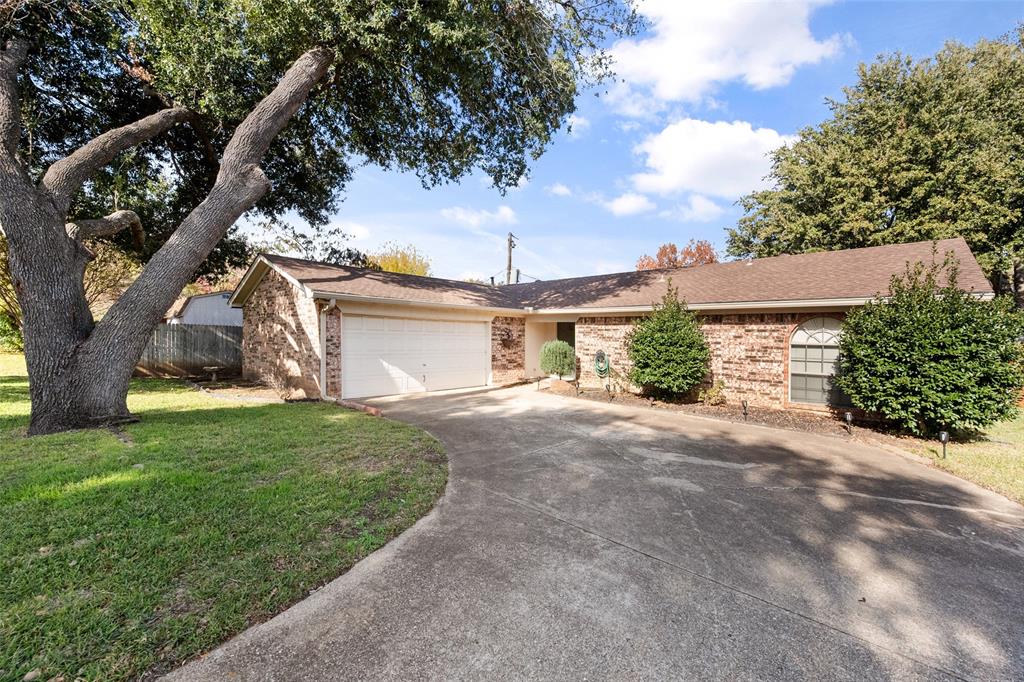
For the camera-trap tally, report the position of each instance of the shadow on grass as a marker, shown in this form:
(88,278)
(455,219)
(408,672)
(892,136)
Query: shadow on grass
(126,557)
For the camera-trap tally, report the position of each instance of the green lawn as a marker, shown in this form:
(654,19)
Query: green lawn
(129,553)
(995,461)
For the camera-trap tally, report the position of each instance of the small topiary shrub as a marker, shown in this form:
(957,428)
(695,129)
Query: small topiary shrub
(714,394)
(558,357)
(933,357)
(668,350)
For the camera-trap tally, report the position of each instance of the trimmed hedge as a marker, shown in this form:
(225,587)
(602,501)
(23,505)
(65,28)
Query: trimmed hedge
(933,357)
(668,351)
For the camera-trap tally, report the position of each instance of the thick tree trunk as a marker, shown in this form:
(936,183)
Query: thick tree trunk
(55,316)
(79,371)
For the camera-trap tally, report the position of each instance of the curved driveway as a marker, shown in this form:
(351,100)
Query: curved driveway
(579,540)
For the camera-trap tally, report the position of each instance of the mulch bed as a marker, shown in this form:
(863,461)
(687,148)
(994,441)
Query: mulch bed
(793,420)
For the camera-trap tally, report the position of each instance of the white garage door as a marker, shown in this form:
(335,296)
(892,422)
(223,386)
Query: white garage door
(390,355)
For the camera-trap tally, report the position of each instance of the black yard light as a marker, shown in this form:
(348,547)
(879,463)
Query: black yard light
(848,418)
(943,438)
(744,403)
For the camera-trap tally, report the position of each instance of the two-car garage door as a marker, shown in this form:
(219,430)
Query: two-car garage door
(390,355)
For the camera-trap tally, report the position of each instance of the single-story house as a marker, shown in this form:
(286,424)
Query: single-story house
(772,323)
(209,309)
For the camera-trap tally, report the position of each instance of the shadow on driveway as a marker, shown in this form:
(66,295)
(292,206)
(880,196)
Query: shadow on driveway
(583,540)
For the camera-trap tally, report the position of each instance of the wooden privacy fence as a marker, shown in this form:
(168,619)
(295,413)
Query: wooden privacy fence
(184,349)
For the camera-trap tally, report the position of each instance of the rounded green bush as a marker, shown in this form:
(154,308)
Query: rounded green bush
(558,357)
(668,351)
(933,357)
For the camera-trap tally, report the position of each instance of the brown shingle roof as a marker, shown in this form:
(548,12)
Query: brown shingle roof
(828,275)
(337,279)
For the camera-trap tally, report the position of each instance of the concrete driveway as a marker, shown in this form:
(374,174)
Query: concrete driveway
(578,540)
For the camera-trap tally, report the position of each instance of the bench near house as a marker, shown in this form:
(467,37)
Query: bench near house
(772,323)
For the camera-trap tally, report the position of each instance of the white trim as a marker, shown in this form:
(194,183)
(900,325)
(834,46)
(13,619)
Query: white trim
(490,354)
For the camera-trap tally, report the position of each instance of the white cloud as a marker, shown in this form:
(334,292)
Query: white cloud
(629,203)
(471,217)
(578,125)
(558,190)
(697,209)
(355,231)
(719,159)
(692,47)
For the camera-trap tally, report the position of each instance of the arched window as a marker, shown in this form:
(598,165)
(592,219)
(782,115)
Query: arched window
(813,361)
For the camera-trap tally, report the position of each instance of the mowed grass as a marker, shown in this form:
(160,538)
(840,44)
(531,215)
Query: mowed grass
(124,554)
(994,461)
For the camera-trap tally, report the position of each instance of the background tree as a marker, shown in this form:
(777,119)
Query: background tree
(915,150)
(667,349)
(394,257)
(669,256)
(933,357)
(435,88)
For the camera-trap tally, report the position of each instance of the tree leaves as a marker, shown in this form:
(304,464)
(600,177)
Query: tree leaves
(933,357)
(667,349)
(915,150)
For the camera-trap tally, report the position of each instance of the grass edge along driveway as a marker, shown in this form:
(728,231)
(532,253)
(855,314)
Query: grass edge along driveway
(125,554)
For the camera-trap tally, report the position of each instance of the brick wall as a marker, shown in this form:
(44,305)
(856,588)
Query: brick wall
(280,337)
(602,333)
(749,352)
(508,350)
(333,328)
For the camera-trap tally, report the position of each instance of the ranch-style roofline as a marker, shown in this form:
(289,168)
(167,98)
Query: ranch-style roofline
(811,280)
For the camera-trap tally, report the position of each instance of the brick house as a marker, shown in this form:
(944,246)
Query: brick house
(327,331)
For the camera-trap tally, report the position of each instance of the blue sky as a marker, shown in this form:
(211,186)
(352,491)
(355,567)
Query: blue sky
(708,90)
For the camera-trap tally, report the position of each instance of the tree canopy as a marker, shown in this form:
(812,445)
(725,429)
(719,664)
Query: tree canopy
(271,105)
(425,87)
(915,150)
(671,256)
(406,259)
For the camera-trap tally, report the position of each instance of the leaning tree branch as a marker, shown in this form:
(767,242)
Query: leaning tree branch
(240,184)
(104,227)
(66,176)
(11,59)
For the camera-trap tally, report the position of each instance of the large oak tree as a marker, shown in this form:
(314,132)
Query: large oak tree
(915,150)
(270,89)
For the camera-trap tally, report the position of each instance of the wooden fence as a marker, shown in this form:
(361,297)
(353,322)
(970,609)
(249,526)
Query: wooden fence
(184,349)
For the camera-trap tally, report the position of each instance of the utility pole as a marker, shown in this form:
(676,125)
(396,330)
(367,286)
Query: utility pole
(508,266)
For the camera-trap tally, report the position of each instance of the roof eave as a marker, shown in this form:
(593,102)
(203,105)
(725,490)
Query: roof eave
(355,298)
(730,305)
(254,275)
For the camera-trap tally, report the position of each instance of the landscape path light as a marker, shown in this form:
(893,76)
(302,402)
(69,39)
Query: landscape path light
(943,438)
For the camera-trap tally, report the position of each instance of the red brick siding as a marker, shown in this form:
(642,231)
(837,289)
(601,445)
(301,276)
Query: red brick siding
(749,352)
(508,350)
(280,337)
